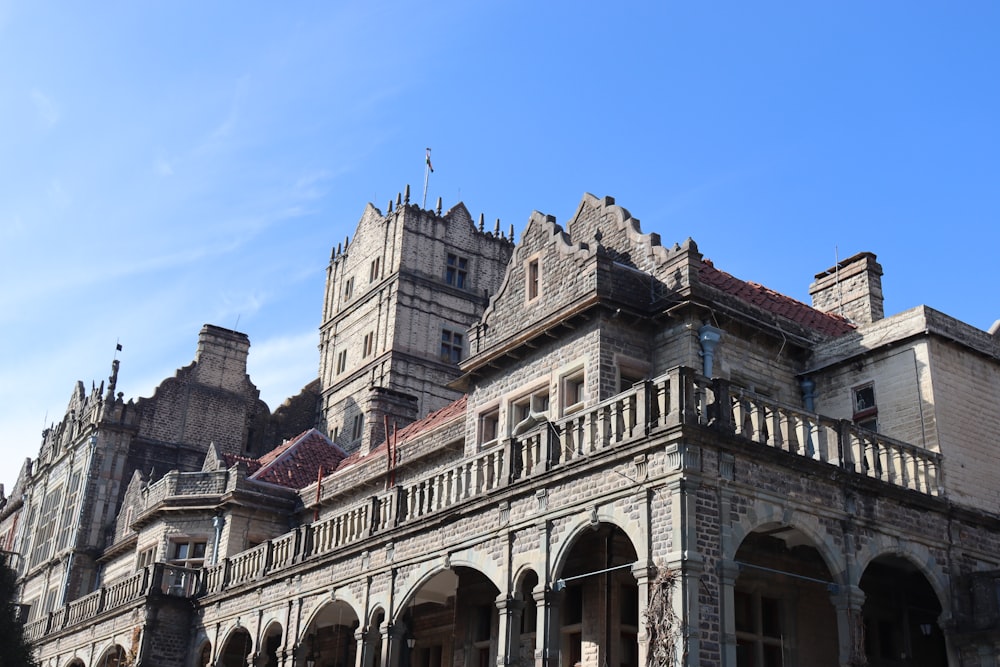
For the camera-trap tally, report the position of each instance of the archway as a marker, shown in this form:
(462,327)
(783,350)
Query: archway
(595,618)
(900,615)
(115,656)
(451,618)
(782,612)
(329,638)
(75,662)
(236,649)
(269,646)
(204,654)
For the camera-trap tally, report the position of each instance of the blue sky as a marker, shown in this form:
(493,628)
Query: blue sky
(168,164)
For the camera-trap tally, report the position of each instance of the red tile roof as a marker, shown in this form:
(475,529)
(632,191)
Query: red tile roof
(828,324)
(296,463)
(431,421)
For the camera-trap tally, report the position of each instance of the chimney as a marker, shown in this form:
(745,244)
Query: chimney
(222,357)
(852,288)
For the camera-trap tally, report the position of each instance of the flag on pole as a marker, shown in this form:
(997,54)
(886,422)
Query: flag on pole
(428,159)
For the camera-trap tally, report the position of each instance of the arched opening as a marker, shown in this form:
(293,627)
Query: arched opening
(113,657)
(782,610)
(451,619)
(269,646)
(329,638)
(900,616)
(527,634)
(204,655)
(75,662)
(597,607)
(236,650)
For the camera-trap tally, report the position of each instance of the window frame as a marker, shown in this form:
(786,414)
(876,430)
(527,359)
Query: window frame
(532,278)
(187,560)
(456,271)
(452,345)
(864,416)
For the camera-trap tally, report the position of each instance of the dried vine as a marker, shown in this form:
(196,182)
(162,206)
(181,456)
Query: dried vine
(663,627)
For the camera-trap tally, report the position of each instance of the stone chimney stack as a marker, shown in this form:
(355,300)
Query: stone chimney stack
(852,288)
(221,359)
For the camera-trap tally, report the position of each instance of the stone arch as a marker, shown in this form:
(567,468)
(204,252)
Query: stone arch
(202,655)
(764,514)
(328,636)
(234,649)
(594,609)
(917,554)
(905,611)
(76,662)
(270,642)
(522,572)
(114,655)
(592,522)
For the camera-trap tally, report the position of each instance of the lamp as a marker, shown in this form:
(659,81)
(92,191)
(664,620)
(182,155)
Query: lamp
(925,629)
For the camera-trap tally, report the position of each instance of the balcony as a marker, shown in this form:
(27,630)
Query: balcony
(679,398)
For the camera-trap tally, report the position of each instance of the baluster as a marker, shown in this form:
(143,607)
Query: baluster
(628,416)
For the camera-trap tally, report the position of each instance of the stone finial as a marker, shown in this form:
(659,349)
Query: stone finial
(347,242)
(406,194)
(339,250)
(390,206)
(437,209)
(496,229)
(399,200)
(482,222)
(512,232)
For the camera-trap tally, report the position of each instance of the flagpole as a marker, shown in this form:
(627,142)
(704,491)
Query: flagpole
(427,175)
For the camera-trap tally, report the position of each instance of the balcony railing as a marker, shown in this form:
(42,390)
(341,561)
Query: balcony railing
(679,397)
(158,578)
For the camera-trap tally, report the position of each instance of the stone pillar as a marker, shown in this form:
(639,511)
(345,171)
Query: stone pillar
(508,629)
(362,656)
(729,572)
(848,601)
(642,575)
(546,627)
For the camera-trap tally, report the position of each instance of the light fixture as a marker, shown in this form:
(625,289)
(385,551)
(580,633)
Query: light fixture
(925,629)
(411,641)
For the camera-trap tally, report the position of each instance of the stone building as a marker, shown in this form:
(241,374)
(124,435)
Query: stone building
(633,458)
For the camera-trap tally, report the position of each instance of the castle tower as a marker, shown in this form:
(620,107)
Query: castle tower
(400,297)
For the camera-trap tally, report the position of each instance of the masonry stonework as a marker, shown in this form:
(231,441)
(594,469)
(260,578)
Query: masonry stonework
(534,454)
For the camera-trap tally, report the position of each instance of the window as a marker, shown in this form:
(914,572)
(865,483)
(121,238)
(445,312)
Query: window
(45,532)
(348,288)
(489,426)
(865,410)
(571,392)
(146,557)
(451,346)
(373,271)
(69,512)
(358,426)
(758,630)
(456,272)
(532,279)
(535,404)
(369,345)
(187,553)
(341,361)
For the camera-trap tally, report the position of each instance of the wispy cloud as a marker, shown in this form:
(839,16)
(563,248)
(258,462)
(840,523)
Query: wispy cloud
(163,167)
(45,107)
(282,365)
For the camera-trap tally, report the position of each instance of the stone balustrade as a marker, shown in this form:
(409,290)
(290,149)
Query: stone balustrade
(679,397)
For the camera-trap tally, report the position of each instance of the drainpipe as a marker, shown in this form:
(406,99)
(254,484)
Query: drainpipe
(218,522)
(709,337)
(808,388)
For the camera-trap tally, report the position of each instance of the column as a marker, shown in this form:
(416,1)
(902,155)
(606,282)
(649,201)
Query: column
(509,629)
(642,575)
(729,572)
(848,601)
(546,627)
